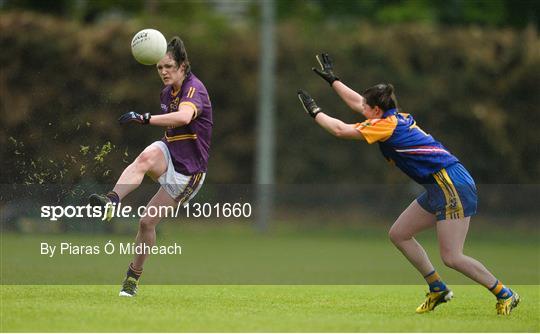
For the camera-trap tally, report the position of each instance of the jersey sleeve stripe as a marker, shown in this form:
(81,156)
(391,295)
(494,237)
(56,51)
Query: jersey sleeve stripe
(187,103)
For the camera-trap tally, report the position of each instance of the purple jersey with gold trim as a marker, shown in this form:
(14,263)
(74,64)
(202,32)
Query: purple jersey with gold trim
(189,145)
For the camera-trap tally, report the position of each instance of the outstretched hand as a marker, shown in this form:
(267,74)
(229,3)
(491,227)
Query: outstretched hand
(308,103)
(135,118)
(327,68)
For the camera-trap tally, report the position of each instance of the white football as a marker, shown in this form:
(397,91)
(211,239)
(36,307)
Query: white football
(148,46)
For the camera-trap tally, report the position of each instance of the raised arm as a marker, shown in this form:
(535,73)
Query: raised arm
(354,100)
(333,125)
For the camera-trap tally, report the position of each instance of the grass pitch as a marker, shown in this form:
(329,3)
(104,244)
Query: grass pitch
(238,255)
(304,281)
(256,308)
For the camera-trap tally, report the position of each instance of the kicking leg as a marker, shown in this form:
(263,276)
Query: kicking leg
(151,161)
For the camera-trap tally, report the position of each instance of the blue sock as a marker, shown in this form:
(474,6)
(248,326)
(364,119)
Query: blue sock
(437,286)
(435,283)
(500,291)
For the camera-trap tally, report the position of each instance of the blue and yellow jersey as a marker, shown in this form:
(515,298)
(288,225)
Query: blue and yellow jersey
(403,143)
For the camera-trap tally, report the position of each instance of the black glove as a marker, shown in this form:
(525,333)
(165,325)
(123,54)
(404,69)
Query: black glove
(327,68)
(134,117)
(308,103)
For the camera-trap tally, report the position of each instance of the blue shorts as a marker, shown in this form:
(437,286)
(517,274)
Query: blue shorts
(452,195)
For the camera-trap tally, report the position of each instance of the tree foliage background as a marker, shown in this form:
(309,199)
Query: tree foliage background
(467,70)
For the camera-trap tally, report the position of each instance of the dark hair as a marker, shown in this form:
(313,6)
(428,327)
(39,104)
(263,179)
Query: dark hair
(381,95)
(178,52)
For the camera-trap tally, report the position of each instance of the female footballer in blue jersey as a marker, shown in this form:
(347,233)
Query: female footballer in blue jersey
(450,197)
(178,161)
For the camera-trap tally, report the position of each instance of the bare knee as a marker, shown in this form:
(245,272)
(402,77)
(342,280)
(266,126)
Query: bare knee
(452,259)
(397,236)
(393,235)
(147,224)
(145,160)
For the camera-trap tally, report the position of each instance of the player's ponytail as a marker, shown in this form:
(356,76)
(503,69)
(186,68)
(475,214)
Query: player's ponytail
(178,51)
(381,95)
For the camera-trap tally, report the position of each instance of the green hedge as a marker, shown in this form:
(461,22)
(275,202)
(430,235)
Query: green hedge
(63,85)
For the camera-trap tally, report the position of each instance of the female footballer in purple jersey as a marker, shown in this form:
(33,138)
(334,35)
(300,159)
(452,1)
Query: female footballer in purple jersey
(178,161)
(450,197)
